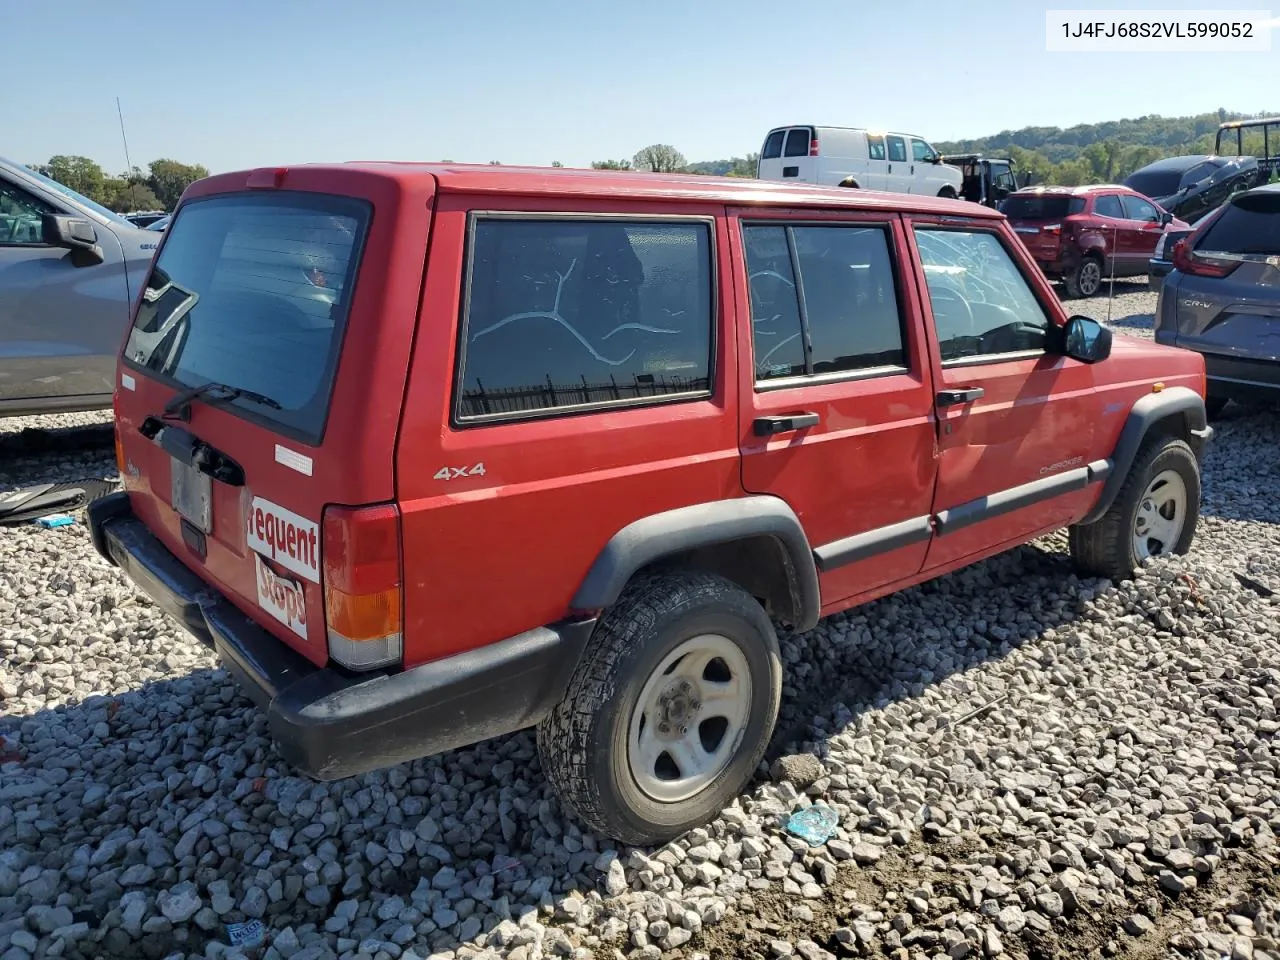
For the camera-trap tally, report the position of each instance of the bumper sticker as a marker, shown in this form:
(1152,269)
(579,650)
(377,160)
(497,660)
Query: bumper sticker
(281,597)
(284,536)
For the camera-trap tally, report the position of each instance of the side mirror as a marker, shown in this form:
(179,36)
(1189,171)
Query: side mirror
(75,234)
(1086,340)
(1166,218)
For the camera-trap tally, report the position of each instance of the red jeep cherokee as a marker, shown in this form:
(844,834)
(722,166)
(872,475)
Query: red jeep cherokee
(1082,235)
(430,453)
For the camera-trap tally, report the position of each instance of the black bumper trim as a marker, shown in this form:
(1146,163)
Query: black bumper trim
(331,723)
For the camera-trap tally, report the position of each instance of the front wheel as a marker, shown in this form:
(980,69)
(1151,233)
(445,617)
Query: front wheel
(1154,514)
(669,711)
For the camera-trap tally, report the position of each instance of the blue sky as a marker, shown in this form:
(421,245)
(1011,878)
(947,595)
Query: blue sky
(289,81)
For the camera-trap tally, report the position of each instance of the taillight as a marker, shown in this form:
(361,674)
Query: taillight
(1196,264)
(1053,229)
(119,450)
(363,608)
(813,145)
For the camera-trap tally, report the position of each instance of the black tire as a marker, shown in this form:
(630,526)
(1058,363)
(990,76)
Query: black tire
(1085,280)
(1105,548)
(849,182)
(583,744)
(947,193)
(1213,406)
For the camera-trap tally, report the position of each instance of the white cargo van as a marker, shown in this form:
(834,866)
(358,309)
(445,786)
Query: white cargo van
(856,157)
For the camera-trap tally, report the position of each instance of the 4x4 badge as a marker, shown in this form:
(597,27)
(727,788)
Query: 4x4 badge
(453,473)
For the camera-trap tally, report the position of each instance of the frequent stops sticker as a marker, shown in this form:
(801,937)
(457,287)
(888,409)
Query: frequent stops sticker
(281,597)
(288,539)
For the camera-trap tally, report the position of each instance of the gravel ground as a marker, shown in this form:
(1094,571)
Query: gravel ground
(1025,764)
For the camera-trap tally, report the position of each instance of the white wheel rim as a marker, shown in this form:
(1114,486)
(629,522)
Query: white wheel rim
(690,717)
(1161,516)
(1090,277)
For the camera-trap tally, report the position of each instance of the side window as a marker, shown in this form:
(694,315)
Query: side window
(797,142)
(843,302)
(1198,173)
(20,217)
(982,304)
(897,150)
(921,152)
(1136,208)
(875,148)
(1108,205)
(1002,177)
(572,313)
(773,145)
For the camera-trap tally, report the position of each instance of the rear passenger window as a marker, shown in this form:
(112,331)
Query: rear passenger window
(575,313)
(844,298)
(797,142)
(773,145)
(875,148)
(1108,206)
(897,150)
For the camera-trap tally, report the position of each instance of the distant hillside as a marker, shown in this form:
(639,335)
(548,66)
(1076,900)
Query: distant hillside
(1089,152)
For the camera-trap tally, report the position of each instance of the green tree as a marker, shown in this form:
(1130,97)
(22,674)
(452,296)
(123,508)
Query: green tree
(660,158)
(610,164)
(169,178)
(556,163)
(79,173)
(123,194)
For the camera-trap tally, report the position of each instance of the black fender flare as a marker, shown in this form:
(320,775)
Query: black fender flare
(1145,413)
(672,532)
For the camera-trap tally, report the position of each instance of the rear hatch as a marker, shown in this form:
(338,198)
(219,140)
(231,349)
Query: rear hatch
(1229,291)
(294,310)
(1038,218)
(790,153)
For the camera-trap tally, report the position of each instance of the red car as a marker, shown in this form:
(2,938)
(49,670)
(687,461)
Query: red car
(559,447)
(1082,235)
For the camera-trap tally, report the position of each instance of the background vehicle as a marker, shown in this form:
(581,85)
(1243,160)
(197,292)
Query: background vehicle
(636,418)
(160,225)
(1083,235)
(855,157)
(986,180)
(1223,297)
(69,269)
(1191,186)
(1239,132)
(144,218)
(1161,261)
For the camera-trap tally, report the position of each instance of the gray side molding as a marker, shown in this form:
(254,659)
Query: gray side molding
(1145,413)
(700,525)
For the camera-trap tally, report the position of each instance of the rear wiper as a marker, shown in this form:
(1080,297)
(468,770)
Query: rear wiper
(179,407)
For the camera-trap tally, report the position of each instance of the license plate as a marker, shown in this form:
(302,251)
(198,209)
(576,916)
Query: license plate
(192,495)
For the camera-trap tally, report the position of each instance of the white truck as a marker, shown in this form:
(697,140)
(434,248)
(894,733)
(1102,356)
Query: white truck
(856,157)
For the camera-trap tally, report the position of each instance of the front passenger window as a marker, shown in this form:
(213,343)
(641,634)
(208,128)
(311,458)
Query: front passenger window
(21,217)
(982,304)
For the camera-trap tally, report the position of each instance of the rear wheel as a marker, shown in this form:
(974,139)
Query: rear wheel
(1154,514)
(849,182)
(670,710)
(947,192)
(1085,279)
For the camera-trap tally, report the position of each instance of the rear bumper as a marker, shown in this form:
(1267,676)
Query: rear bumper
(331,723)
(1241,377)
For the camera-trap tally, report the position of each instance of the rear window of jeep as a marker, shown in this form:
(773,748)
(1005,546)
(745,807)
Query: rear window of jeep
(576,314)
(253,291)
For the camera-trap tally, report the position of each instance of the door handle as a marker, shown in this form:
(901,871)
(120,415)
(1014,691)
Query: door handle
(768,426)
(949,398)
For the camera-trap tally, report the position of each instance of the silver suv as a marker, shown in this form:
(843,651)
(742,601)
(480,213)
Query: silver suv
(69,270)
(1222,298)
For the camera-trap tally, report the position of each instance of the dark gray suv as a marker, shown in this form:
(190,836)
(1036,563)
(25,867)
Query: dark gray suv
(69,270)
(1222,298)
